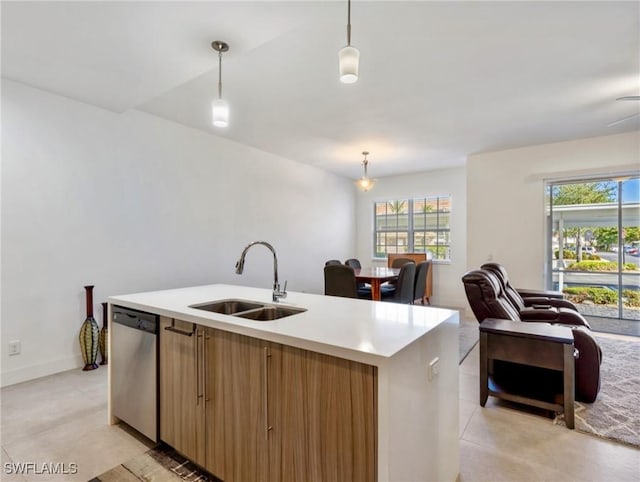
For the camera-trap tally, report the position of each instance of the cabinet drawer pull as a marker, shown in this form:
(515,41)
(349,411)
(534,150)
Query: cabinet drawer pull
(205,363)
(178,331)
(173,329)
(199,366)
(265,397)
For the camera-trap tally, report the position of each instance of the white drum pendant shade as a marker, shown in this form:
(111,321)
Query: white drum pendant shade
(220,113)
(349,58)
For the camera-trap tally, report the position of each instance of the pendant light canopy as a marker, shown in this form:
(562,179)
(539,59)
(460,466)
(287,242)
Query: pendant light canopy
(365,183)
(220,107)
(349,56)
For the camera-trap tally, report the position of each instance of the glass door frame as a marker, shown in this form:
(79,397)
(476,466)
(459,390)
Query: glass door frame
(551,221)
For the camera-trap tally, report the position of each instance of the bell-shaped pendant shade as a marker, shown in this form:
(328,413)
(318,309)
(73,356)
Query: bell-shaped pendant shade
(220,109)
(349,58)
(365,183)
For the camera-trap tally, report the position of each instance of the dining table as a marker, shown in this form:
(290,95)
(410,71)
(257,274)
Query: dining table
(376,275)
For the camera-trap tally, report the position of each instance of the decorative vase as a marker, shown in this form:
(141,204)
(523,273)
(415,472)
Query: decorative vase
(89,335)
(103,339)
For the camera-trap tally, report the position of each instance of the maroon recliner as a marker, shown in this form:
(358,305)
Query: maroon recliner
(488,300)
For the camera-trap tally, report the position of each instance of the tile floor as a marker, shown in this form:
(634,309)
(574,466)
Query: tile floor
(62,418)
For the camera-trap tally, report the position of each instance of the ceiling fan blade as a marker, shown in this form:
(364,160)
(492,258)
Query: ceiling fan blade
(629,97)
(623,119)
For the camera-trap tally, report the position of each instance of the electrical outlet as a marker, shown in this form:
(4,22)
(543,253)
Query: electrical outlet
(433,368)
(14,347)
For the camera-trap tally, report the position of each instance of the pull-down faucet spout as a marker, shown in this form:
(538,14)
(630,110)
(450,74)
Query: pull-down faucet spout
(277,294)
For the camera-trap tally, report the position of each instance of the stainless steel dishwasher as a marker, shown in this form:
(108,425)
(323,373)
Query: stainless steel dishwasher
(134,369)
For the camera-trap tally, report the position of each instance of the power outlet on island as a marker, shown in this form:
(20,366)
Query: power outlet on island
(433,368)
(14,347)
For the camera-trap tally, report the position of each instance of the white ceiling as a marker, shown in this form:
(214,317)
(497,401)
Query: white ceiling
(438,80)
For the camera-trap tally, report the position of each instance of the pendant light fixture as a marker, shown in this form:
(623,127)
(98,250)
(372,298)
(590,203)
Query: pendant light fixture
(365,183)
(220,107)
(349,56)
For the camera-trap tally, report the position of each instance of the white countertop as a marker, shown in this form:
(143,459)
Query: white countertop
(361,330)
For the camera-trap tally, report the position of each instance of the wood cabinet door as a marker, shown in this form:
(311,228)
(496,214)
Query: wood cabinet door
(181,403)
(241,386)
(216,348)
(324,418)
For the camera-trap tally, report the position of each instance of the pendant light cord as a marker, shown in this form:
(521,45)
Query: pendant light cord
(349,23)
(219,74)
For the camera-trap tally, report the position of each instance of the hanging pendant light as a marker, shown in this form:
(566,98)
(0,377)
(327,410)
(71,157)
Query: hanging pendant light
(220,107)
(349,56)
(365,183)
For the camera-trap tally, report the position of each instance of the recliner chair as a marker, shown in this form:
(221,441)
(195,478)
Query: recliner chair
(543,310)
(522,298)
(488,300)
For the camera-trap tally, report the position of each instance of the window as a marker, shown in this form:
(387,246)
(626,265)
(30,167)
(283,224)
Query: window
(413,225)
(592,240)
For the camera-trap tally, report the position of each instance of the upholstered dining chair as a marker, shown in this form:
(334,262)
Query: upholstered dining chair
(420,283)
(400,262)
(397,263)
(333,262)
(354,263)
(364,289)
(340,280)
(403,291)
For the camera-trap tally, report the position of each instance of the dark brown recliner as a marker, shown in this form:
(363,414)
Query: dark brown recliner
(527,298)
(488,300)
(540,308)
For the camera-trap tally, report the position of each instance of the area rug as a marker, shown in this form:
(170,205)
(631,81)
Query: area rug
(616,412)
(160,464)
(468,336)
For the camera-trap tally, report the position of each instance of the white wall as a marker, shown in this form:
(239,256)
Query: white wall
(447,287)
(505,197)
(130,202)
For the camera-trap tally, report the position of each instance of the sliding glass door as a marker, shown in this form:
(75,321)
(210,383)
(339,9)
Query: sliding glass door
(593,243)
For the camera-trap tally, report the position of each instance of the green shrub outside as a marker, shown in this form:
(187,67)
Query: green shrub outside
(593,265)
(632,297)
(566,254)
(599,296)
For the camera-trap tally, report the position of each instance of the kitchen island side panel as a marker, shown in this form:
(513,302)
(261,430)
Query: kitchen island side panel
(418,417)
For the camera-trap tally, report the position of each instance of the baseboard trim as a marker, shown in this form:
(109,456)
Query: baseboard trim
(24,374)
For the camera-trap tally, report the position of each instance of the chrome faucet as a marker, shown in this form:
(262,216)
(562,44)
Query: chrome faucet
(277,294)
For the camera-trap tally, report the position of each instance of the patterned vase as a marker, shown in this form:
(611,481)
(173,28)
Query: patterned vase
(89,335)
(103,339)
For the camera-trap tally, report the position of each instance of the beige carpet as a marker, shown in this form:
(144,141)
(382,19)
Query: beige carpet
(615,414)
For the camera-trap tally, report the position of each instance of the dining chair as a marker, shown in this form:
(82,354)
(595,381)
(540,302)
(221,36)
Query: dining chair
(420,284)
(389,286)
(400,262)
(354,263)
(364,289)
(403,291)
(340,280)
(333,262)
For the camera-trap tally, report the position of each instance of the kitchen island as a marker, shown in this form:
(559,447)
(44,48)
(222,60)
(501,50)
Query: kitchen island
(407,355)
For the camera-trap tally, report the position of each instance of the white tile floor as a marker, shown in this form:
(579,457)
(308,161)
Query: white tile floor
(62,418)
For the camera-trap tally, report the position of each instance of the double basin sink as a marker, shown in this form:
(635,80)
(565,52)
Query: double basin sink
(250,310)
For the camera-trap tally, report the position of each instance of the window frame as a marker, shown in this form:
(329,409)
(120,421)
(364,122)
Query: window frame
(443,207)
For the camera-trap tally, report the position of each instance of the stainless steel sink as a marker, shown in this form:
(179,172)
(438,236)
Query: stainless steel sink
(251,310)
(270,313)
(228,307)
